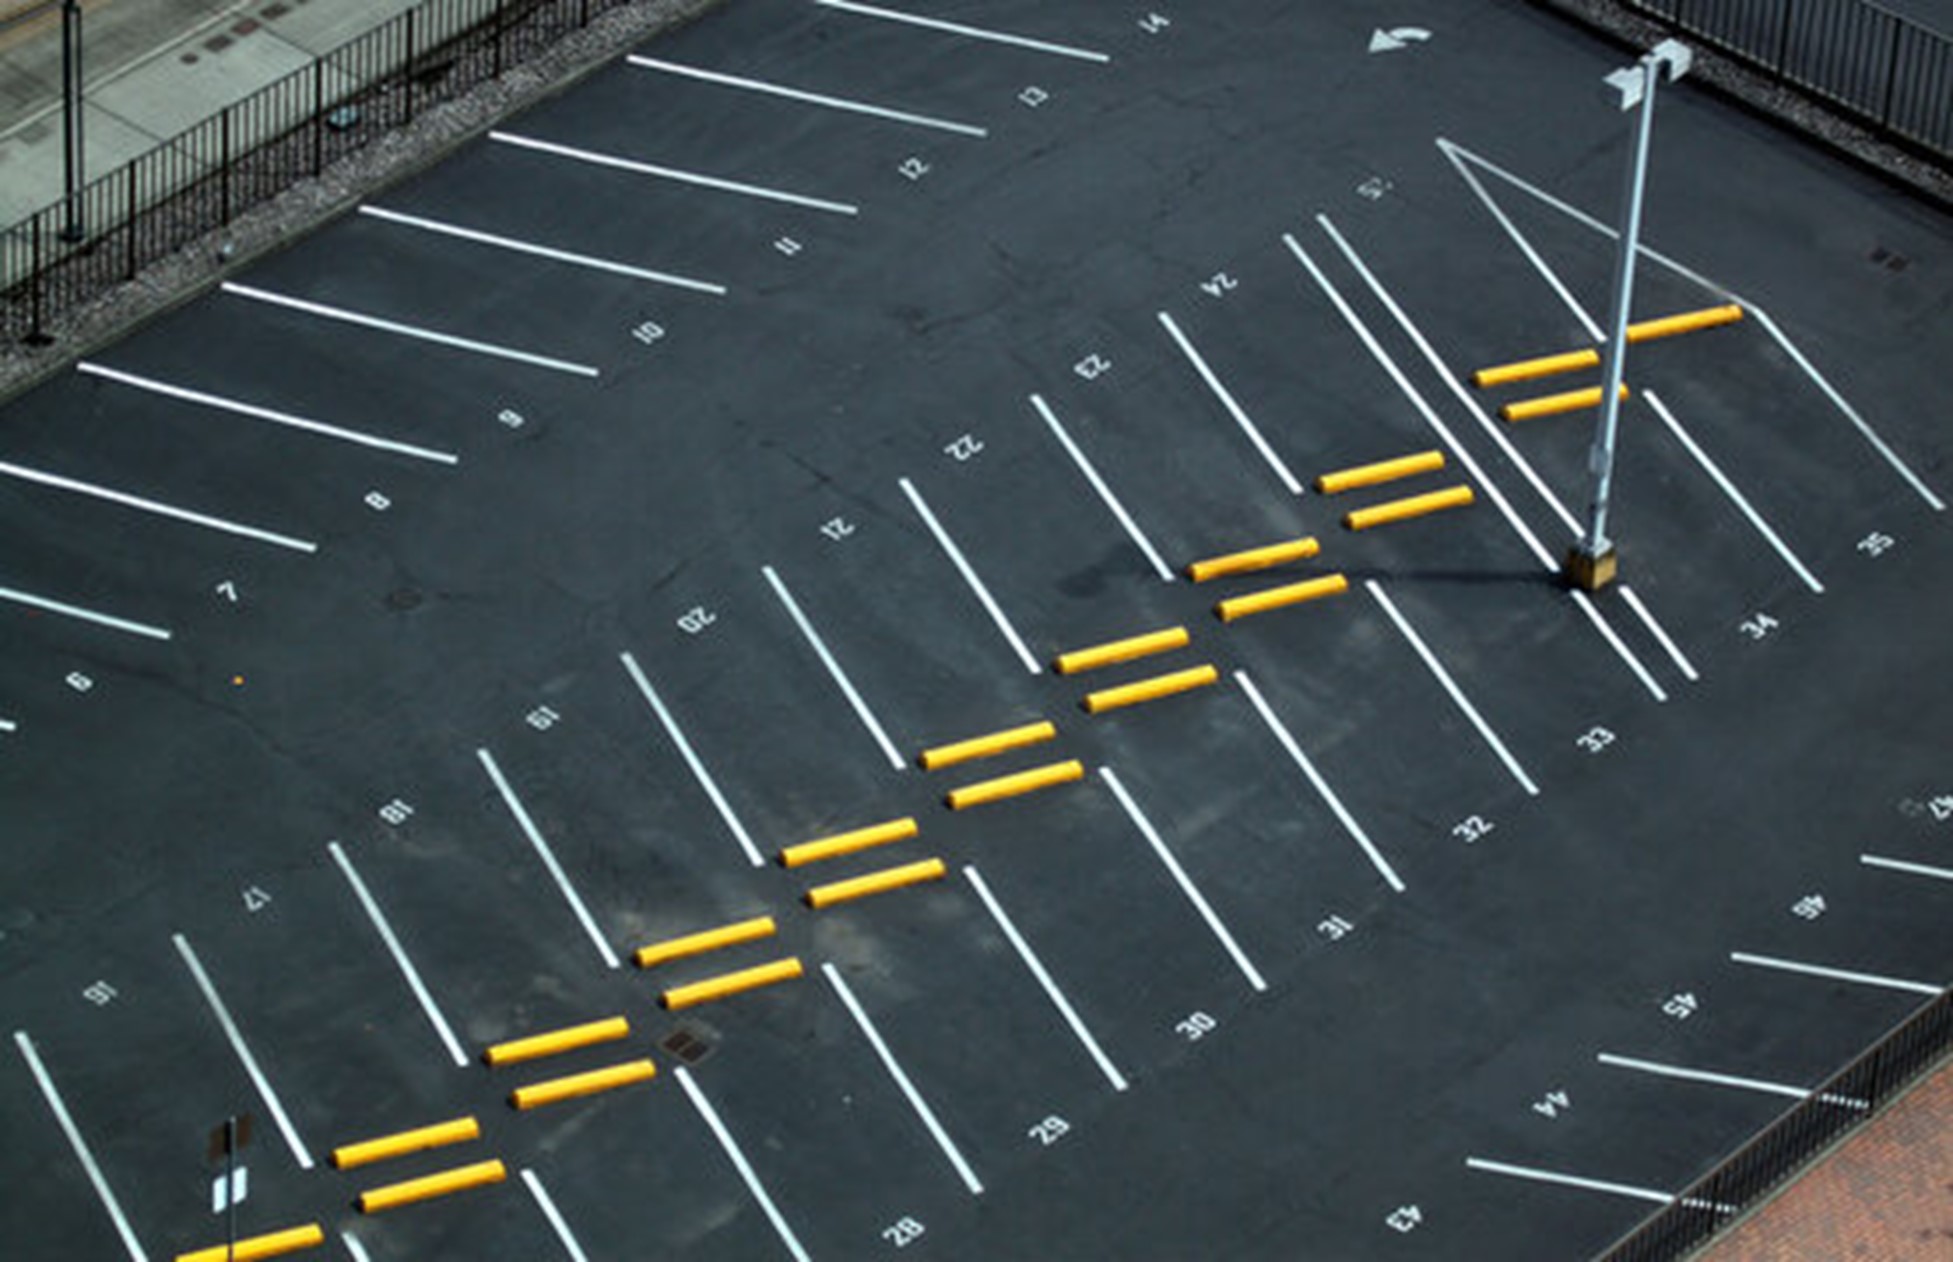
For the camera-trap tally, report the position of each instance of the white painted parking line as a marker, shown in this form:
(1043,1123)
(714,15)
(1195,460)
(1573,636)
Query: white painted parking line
(1619,645)
(516,246)
(1328,795)
(692,178)
(692,760)
(1901,865)
(61,483)
(810,98)
(1592,1185)
(895,1071)
(1667,642)
(731,1148)
(83,1154)
(548,856)
(1728,1080)
(407,969)
(840,677)
(1105,492)
(957,28)
(1837,974)
(86,615)
(354,1249)
(250,1062)
(1451,688)
(8,725)
(963,567)
(1736,497)
(1180,878)
(414,331)
(548,1207)
(1455,153)
(1234,409)
(252,410)
(1057,997)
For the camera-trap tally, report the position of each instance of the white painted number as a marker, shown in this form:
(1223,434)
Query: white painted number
(696,619)
(1809,907)
(648,332)
(1941,807)
(396,812)
(79,682)
(1092,367)
(378,502)
(1335,928)
(228,590)
(837,528)
(1153,24)
(255,899)
(1050,1130)
(1552,1105)
(1878,543)
(1220,283)
(914,168)
(1196,1027)
(1404,1218)
(542,718)
(1471,828)
(1681,1006)
(101,994)
(1758,625)
(787,246)
(1034,96)
(903,1233)
(1595,740)
(964,449)
(510,417)
(1374,188)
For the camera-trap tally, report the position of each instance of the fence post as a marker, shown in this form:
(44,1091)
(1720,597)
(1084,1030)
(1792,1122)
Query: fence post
(224,181)
(129,221)
(1891,67)
(36,284)
(500,31)
(318,116)
(1783,40)
(407,78)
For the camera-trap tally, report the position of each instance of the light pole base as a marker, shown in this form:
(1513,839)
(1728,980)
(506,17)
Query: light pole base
(1590,573)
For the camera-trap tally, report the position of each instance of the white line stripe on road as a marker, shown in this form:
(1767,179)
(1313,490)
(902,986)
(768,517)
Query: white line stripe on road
(157,507)
(1457,695)
(957,28)
(407,969)
(86,615)
(548,1207)
(1453,155)
(548,856)
(730,1147)
(250,1062)
(542,251)
(1667,642)
(1234,409)
(693,178)
(1837,974)
(840,677)
(1900,865)
(407,330)
(354,1249)
(1105,492)
(1180,878)
(1736,497)
(914,1097)
(1057,997)
(1726,1080)
(8,725)
(223,404)
(692,760)
(80,1145)
(1619,645)
(969,574)
(1328,795)
(1592,1185)
(810,98)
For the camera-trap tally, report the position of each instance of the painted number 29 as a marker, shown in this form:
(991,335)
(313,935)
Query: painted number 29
(1050,1130)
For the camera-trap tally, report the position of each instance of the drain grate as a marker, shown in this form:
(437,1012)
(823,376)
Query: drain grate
(687,1044)
(1890,259)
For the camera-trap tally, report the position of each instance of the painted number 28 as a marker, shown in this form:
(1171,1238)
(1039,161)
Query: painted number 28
(903,1232)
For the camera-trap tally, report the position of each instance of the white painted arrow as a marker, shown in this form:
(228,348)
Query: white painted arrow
(1389,41)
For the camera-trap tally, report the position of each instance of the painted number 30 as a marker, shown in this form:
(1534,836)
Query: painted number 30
(1197,1026)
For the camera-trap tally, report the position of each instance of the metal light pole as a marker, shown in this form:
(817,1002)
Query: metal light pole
(1592,563)
(71,157)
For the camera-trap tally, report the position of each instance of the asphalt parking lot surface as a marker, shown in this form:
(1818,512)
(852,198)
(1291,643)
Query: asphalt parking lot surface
(494,582)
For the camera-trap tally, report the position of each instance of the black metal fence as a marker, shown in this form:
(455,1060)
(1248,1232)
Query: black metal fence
(1749,1174)
(261,145)
(1886,69)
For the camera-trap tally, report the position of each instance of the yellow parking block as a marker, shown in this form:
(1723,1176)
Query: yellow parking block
(254,1248)
(1380,472)
(1405,509)
(731,984)
(1149,689)
(1533,369)
(1280,597)
(1555,404)
(1125,650)
(1686,322)
(555,1090)
(446,1183)
(1014,786)
(1254,559)
(848,842)
(700,943)
(537,1046)
(986,746)
(420,1139)
(875,883)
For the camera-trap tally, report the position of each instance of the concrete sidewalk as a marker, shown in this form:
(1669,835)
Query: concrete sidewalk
(151,70)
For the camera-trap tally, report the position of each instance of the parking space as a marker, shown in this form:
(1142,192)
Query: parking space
(493,583)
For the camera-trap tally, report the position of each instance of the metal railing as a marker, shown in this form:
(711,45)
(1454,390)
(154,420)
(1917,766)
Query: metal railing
(291,129)
(1883,68)
(1747,1175)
